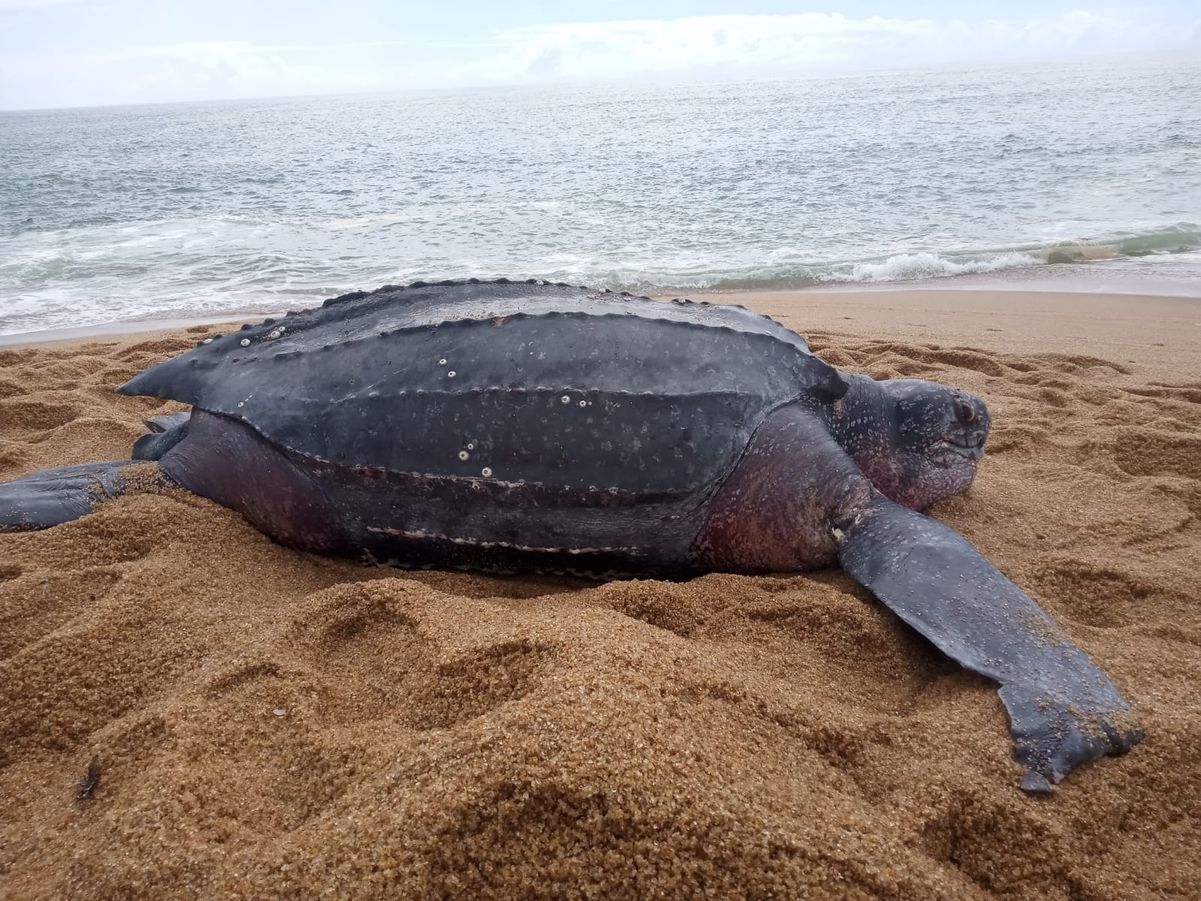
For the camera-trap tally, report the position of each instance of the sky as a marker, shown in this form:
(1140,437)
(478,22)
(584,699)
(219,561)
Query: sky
(62,53)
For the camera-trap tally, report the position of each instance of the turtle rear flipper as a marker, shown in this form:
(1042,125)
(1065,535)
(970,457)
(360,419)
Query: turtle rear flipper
(1064,711)
(164,433)
(55,496)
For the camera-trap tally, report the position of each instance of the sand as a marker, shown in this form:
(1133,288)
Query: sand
(188,710)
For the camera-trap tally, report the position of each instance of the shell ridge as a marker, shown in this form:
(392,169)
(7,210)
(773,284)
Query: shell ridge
(666,403)
(290,350)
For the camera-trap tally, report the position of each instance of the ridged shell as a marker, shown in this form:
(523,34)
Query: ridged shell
(519,382)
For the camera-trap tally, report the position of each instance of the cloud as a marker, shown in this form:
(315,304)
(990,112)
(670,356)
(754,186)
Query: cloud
(688,47)
(805,41)
(226,68)
(185,71)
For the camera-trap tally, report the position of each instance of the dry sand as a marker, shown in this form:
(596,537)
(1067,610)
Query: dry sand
(268,723)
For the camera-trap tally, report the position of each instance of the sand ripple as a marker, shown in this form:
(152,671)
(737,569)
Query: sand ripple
(268,722)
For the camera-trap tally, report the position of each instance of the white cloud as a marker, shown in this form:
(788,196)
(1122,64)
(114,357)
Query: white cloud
(694,46)
(811,40)
(228,68)
(186,71)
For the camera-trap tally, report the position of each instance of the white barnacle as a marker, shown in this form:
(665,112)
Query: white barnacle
(463,455)
(564,399)
(273,334)
(245,342)
(442,362)
(450,373)
(583,403)
(207,341)
(486,472)
(471,445)
(837,533)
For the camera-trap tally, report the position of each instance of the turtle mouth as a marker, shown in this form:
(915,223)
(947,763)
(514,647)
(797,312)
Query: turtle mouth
(952,450)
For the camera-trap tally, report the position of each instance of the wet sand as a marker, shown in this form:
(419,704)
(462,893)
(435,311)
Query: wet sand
(266,723)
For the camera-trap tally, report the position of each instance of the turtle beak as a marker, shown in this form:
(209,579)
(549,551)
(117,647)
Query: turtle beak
(969,446)
(973,451)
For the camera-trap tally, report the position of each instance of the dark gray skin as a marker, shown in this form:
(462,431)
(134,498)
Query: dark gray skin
(509,427)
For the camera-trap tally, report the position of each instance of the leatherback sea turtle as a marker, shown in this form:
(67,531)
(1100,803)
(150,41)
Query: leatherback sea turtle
(531,426)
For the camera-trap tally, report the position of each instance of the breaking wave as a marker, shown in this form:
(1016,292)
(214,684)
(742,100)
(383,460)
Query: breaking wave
(906,266)
(923,265)
(202,210)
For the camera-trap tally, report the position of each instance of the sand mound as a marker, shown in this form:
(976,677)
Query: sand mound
(267,723)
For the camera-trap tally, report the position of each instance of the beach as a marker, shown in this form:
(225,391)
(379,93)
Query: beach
(190,710)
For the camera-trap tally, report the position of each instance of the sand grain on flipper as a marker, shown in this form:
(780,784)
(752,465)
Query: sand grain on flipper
(271,723)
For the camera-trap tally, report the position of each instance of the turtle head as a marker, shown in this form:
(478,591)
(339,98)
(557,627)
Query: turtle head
(917,441)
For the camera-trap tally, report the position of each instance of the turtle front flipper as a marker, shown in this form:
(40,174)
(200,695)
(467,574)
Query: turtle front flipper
(1064,711)
(53,496)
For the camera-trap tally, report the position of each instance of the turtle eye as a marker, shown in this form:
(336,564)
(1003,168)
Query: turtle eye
(966,412)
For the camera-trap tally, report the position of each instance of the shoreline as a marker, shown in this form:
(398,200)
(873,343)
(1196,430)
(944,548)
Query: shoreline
(1130,277)
(118,330)
(1148,331)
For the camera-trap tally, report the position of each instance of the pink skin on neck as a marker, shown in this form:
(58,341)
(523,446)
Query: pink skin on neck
(932,483)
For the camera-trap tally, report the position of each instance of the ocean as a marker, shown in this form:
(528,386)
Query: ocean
(1073,170)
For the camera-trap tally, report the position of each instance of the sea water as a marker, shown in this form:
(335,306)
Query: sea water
(203,209)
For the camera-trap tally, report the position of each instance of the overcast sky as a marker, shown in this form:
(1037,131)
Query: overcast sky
(86,52)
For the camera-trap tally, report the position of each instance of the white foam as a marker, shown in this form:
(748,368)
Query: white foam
(911,266)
